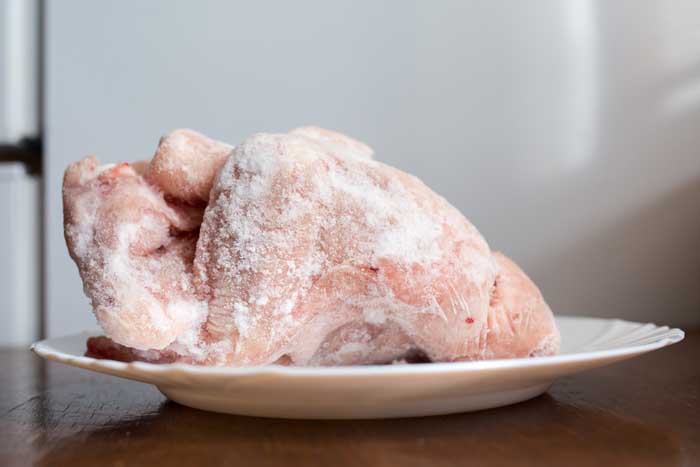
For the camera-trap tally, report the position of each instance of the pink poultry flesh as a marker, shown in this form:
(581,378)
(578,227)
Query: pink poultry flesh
(296,249)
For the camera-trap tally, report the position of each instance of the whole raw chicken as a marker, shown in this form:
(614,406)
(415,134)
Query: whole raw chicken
(296,249)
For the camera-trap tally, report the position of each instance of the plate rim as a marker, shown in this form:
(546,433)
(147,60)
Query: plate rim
(45,349)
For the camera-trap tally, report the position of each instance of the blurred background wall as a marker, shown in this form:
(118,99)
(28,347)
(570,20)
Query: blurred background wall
(568,132)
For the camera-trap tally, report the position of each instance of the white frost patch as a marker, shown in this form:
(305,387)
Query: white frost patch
(81,239)
(374,315)
(241,316)
(351,347)
(104,167)
(194,312)
(261,301)
(286,307)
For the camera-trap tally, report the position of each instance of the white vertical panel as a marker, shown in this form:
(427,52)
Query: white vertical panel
(19,34)
(19,249)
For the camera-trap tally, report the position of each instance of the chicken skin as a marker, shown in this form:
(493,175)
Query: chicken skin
(296,249)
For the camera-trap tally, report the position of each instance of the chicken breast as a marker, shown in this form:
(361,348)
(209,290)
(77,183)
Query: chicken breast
(294,248)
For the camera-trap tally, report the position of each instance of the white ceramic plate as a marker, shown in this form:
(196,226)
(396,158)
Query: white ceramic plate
(379,391)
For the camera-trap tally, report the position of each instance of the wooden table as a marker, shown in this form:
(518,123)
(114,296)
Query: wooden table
(636,413)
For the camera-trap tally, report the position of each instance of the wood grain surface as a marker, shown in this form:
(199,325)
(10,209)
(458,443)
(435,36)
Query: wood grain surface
(636,413)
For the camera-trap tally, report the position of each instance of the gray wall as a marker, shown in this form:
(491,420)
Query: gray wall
(568,132)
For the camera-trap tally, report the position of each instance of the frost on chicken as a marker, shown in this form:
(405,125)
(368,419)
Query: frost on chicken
(294,248)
